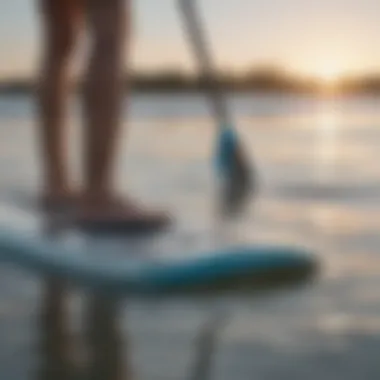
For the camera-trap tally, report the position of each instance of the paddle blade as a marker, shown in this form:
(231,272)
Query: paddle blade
(237,176)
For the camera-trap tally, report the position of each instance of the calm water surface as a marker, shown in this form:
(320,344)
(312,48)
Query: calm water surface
(318,161)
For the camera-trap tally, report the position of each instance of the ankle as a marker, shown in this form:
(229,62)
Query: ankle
(96,198)
(57,191)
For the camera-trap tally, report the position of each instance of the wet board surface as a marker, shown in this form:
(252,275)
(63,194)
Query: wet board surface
(161,264)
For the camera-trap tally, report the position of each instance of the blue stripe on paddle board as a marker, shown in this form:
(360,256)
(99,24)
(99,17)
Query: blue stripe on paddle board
(128,276)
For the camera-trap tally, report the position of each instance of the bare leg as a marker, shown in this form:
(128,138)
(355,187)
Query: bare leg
(61,25)
(108,20)
(109,23)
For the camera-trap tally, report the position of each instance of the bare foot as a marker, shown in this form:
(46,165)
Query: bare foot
(119,215)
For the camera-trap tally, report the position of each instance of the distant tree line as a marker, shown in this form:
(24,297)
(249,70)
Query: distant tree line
(264,79)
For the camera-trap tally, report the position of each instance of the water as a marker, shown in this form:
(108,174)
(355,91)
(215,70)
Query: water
(320,188)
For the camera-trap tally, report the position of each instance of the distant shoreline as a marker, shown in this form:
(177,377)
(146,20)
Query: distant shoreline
(186,92)
(267,81)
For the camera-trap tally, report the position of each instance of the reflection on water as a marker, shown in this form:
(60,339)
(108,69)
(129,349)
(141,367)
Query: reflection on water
(56,354)
(100,343)
(60,351)
(327,129)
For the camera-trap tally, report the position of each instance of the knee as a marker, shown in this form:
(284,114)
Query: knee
(109,24)
(61,42)
(109,37)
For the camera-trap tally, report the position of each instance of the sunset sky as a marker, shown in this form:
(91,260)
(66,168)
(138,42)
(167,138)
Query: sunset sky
(324,38)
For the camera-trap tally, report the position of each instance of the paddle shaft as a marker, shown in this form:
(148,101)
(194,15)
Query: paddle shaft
(196,36)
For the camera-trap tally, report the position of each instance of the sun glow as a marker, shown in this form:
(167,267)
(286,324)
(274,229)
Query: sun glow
(328,75)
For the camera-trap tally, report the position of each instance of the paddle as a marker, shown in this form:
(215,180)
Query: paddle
(237,177)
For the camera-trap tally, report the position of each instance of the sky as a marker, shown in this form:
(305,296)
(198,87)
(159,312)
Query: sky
(324,38)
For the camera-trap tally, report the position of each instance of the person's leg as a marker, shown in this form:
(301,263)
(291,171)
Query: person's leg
(61,22)
(109,27)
